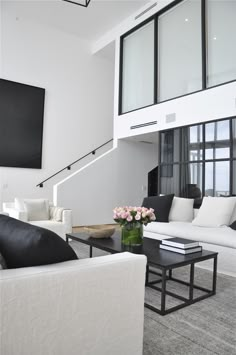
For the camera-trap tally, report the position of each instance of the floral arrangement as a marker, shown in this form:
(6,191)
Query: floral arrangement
(129,215)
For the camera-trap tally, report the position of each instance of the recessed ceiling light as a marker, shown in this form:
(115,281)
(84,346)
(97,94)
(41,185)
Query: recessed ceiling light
(186,20)
(214,38)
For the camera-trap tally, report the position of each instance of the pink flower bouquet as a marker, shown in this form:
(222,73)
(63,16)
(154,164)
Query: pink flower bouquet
(132,215)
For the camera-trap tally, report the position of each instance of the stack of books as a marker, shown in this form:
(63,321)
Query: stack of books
(181,245)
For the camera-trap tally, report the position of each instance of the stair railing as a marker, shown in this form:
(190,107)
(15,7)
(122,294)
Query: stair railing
(68,167)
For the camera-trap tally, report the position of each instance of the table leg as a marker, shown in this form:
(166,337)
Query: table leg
(191,282)
(90,251)
(147,275)
(214,275)
(170,274)
(163,292)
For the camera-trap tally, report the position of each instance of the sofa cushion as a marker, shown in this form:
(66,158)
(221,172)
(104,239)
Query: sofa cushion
(181,210)
(233,217)
(23,244)
(215,212)
(224,236)
(161,206)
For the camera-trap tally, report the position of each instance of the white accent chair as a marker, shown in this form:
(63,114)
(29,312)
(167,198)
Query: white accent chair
(58,220)
(87,307)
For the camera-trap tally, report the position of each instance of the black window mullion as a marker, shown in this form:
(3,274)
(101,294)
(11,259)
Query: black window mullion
(203,158)
(204,44)
(120,78)
(160,166)
(231,157)
(155,58)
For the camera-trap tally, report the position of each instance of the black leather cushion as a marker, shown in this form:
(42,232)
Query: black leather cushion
(23,244)
(233,225)
(161,206)
(2,262)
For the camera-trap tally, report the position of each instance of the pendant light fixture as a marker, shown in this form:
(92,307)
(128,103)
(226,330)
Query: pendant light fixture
(83,3)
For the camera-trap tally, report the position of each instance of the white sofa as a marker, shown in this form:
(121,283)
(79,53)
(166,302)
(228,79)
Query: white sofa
(60,227)
(87,307)
(219,239)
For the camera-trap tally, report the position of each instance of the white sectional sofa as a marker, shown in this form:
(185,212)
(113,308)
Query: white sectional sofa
(221,239)
(87,307)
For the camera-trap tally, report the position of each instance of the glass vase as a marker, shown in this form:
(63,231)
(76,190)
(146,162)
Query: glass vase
(132,234)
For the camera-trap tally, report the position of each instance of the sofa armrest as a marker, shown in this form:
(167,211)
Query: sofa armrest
(90,306)
(14,213)
(67,220)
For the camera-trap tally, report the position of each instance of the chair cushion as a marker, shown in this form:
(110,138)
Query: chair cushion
(37,209)
(55,213)
(161,206)
(181,210)
(23,244)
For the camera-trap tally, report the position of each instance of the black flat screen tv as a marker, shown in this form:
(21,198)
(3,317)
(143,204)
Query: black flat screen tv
(21,125)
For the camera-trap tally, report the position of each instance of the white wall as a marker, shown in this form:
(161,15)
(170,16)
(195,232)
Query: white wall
(212,104)
(117,179)
(79,96)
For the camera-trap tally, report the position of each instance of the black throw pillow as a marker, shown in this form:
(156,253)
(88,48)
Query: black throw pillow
(23,244)
(233,225)
(161,206)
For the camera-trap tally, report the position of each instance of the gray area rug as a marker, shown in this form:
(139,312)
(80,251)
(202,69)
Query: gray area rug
(205,328)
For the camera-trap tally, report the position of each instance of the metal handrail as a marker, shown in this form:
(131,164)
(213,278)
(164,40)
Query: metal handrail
(68,167)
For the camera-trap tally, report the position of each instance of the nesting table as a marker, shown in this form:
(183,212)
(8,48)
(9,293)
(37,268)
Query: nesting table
(161,263)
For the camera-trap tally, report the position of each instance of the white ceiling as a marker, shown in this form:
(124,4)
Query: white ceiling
(88,23)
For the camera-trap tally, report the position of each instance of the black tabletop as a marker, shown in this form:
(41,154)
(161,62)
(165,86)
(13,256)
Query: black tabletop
(150,248)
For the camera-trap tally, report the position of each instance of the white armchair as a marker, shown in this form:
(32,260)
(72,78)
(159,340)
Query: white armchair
(56,219)
(87,307)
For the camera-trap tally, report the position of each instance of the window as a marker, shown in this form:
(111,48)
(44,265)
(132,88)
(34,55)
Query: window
(217,179)
(138,69)
(217,140)
(234,136)
(207,163)
(179,48)
(221,15)
(234,180)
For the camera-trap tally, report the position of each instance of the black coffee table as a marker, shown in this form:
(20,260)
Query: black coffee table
(160,259)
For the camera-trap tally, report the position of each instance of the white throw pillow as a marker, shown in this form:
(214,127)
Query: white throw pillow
(215,212)
(37,209)
(233,217)
(56,213)
(19,204)
(181,210)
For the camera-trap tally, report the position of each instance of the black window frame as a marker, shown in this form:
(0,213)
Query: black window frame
(231,159)
(204,50)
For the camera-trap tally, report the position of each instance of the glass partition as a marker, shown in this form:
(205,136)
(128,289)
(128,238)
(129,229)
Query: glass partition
(138,69)
(179,48)
(221,49)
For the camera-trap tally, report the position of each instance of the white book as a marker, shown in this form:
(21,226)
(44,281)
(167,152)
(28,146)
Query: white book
(181,251)
(180,243)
